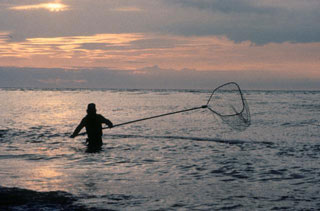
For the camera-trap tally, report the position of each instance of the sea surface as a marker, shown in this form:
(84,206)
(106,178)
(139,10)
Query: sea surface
(186,161)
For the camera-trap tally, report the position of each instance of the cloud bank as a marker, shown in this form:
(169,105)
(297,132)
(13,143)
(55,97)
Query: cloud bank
(148,78)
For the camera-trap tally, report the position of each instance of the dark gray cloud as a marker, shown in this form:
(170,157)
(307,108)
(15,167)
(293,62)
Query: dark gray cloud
(240,20)
(148,78)
(226,6)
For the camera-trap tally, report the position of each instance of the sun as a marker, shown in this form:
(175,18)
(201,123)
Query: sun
(55,7)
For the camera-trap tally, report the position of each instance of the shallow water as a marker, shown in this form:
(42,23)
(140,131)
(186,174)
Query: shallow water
(184,161)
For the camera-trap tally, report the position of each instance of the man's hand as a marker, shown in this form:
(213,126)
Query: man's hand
(110,125)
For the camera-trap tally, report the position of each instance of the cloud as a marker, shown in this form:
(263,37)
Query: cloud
(59,82)
(52,7)
(127,9)
(135,51)
(151,78)
(257,21)
(230,6)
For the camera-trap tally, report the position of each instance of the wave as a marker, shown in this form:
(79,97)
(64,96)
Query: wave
(3,132)
(32,134)
(204,139)
(43,133)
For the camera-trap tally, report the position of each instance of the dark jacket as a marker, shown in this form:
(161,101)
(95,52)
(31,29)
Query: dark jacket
(93,125)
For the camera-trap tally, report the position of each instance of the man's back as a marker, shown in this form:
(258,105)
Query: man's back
(93,124)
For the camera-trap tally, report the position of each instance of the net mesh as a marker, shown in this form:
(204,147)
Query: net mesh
(227,102)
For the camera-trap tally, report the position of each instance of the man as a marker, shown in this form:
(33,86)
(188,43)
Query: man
(93,124)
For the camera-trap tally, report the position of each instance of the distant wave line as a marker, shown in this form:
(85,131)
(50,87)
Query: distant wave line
(204,139)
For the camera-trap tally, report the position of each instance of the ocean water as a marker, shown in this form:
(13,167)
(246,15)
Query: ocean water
(187,161)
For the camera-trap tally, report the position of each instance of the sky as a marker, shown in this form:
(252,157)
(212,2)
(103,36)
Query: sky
(180,44)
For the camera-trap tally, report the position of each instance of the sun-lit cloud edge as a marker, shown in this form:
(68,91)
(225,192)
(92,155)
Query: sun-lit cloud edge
(127,9)
(52,7)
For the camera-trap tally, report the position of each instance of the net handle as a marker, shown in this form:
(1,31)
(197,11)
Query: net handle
(160,115)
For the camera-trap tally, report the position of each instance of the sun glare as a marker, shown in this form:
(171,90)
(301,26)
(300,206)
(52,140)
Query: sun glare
(52,7)
(55,7)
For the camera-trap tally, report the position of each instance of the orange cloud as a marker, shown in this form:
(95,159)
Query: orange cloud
(136,51)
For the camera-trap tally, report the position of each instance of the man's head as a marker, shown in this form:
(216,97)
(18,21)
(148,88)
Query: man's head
(91,108)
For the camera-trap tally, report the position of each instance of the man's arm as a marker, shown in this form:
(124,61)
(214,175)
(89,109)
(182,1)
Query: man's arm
(77,130)
(106,121)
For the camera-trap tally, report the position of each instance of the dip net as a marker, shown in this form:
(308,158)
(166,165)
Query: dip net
(228,102)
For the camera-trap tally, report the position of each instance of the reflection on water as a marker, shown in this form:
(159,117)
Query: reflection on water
(46,176)
(45,172)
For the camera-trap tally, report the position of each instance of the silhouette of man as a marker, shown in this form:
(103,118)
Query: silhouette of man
(93,124)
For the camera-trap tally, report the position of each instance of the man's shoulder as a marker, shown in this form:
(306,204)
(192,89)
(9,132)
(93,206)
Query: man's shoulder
(100,116)
(85,118)
(93,116)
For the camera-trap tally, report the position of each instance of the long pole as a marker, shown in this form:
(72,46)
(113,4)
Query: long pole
(160,115)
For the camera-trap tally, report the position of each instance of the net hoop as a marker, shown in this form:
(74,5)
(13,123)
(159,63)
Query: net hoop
(233,119)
